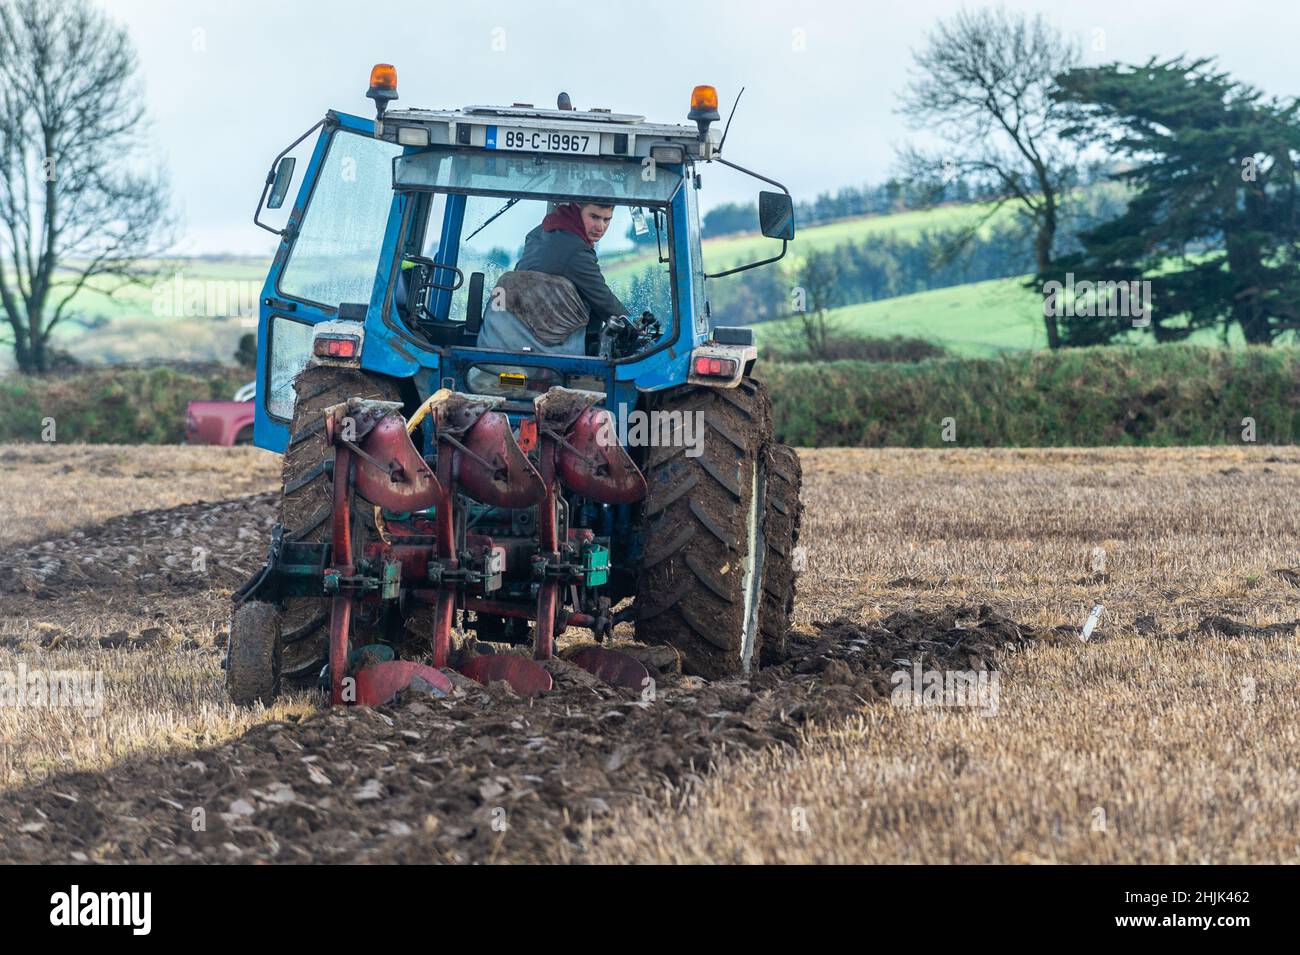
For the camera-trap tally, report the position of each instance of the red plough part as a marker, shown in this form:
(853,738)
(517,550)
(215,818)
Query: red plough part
(524,676)
(613,667)
(576,440)
(478,458)
(478,453)
(372,452)
(379,683)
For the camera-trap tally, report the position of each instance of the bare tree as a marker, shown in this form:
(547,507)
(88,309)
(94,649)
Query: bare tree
(809,327)
(983,85)
(77,209)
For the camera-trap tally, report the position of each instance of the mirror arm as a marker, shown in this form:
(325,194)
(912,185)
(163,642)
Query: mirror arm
(752,265)
(270,178)
(784,242)
(750,172)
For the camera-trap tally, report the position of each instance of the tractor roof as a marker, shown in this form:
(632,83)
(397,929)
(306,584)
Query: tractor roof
(604,133)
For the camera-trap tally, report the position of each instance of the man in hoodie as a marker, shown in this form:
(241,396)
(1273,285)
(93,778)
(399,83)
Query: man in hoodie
(556,293)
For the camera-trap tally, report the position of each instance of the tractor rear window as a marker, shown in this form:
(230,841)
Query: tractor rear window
(494,241)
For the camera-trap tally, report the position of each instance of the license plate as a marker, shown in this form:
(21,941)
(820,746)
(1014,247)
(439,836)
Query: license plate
(542,141)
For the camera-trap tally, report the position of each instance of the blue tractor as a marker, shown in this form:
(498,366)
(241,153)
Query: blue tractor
(447,503)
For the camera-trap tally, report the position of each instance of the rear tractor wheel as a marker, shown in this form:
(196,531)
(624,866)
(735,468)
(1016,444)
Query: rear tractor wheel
(708,516)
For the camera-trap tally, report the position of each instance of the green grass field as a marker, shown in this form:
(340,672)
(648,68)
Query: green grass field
(980,319)
(973,321)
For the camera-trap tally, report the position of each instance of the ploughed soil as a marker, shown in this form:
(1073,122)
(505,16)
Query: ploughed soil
(479,776)
(201,548)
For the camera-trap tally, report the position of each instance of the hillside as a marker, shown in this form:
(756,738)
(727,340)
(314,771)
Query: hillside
(727,251)
(979,319)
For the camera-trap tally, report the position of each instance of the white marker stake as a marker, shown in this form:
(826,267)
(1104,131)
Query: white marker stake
(1091,623)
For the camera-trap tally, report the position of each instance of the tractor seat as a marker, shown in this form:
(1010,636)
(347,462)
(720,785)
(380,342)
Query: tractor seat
(537,312)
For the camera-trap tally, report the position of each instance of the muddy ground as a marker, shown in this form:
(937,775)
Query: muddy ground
(483,776)
(480,776)
(171,773)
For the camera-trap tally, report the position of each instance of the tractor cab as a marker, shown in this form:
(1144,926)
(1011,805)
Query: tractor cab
(404,225)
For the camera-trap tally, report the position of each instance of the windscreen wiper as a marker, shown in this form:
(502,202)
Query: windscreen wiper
(495,216)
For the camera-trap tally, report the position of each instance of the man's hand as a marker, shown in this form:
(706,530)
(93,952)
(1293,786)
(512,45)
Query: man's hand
(621,336)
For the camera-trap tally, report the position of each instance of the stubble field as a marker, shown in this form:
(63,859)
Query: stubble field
(1168,736)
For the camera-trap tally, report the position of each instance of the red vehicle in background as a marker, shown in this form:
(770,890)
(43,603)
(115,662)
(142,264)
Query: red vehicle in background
(222,422)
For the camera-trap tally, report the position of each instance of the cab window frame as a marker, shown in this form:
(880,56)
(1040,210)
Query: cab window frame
(411,199)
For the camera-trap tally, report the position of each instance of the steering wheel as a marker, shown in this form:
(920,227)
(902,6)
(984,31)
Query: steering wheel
(427,268)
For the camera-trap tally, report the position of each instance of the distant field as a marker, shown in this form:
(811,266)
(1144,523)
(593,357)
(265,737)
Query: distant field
(200,301)
(975,320)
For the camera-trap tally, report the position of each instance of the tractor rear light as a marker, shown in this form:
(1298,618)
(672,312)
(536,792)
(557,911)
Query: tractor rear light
(715,367)
(336,346)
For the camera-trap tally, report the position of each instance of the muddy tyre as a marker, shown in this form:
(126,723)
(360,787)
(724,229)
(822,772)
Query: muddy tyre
(699,584)
(253,655)
(783,515)
(306,499)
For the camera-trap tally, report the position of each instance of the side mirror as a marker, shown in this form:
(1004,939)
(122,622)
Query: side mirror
(283,177)
(776,215)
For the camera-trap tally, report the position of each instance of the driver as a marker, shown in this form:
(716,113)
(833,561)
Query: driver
(563,246)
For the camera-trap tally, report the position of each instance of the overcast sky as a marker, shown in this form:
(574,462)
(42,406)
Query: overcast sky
(231,82)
